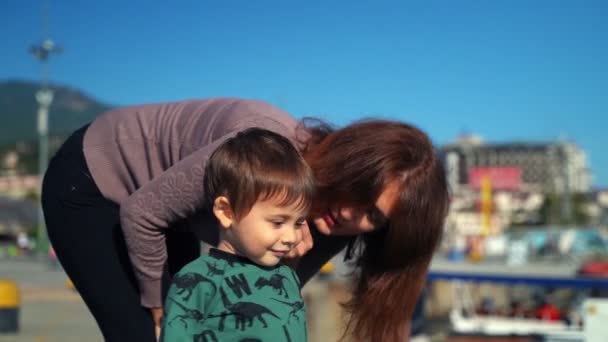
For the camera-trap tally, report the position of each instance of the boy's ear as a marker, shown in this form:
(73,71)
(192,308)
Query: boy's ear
(223,211)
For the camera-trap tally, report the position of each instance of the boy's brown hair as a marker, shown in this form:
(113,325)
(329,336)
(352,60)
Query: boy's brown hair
(257,165)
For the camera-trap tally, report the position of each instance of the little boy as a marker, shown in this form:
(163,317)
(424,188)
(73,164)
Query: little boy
(260,190)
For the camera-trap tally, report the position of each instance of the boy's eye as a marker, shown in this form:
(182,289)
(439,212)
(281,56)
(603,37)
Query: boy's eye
(276,222)
(300,224)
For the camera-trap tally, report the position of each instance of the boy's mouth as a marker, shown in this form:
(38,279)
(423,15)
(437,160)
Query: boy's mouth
(279,253)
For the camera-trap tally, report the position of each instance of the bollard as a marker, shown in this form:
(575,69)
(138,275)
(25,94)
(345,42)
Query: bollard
(9,306)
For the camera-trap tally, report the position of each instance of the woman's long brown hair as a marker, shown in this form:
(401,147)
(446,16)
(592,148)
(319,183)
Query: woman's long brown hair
(353,165)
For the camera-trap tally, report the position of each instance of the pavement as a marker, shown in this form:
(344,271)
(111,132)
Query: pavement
(50,311)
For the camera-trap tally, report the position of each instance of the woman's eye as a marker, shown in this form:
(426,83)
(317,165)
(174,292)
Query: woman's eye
(371,217)
(376,219)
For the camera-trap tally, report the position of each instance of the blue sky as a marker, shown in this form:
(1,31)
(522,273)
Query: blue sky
(506,70)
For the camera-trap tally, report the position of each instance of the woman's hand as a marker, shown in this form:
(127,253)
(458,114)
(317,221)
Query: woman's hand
(297,252)
(322,226)
(157,316)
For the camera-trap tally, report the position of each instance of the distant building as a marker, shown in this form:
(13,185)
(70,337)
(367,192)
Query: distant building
(18,186)
(531,167)
(17,216)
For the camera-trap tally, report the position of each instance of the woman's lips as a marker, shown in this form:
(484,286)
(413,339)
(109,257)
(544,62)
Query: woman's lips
(329,220)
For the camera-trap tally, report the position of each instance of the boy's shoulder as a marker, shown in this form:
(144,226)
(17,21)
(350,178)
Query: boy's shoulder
(217,265)
(205,264)
(200,270)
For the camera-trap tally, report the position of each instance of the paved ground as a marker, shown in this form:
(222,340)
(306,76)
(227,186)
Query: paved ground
(50,311)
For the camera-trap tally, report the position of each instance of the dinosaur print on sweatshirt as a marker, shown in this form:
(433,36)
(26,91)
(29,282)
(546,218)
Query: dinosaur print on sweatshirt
(224,297)
(187,282)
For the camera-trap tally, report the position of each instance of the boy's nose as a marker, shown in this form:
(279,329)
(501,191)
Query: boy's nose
(290,237)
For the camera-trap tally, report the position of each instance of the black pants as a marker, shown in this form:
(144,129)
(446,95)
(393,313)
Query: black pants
(84,229)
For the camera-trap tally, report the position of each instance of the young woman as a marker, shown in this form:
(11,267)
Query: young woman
(123,195)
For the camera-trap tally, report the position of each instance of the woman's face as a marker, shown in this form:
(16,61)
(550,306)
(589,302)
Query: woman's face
(345,220)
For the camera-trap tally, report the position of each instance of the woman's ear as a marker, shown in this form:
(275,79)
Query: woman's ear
(223,211)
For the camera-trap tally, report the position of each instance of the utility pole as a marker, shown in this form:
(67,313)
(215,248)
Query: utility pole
(44,97)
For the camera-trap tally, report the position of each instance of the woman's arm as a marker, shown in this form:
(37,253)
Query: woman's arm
(173,196)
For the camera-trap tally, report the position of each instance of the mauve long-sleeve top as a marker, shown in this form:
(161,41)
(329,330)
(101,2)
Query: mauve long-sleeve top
(150,160)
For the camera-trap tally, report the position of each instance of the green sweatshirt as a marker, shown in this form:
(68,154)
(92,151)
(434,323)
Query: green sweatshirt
(224,297)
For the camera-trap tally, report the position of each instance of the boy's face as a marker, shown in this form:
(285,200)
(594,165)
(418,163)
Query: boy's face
(267,233)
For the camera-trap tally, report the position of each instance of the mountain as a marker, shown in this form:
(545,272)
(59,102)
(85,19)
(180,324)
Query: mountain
(70,109)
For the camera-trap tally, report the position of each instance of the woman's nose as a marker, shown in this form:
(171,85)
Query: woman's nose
(356,218)
(347,214)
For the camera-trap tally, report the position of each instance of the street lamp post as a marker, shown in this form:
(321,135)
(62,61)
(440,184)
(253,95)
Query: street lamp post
(44,97)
